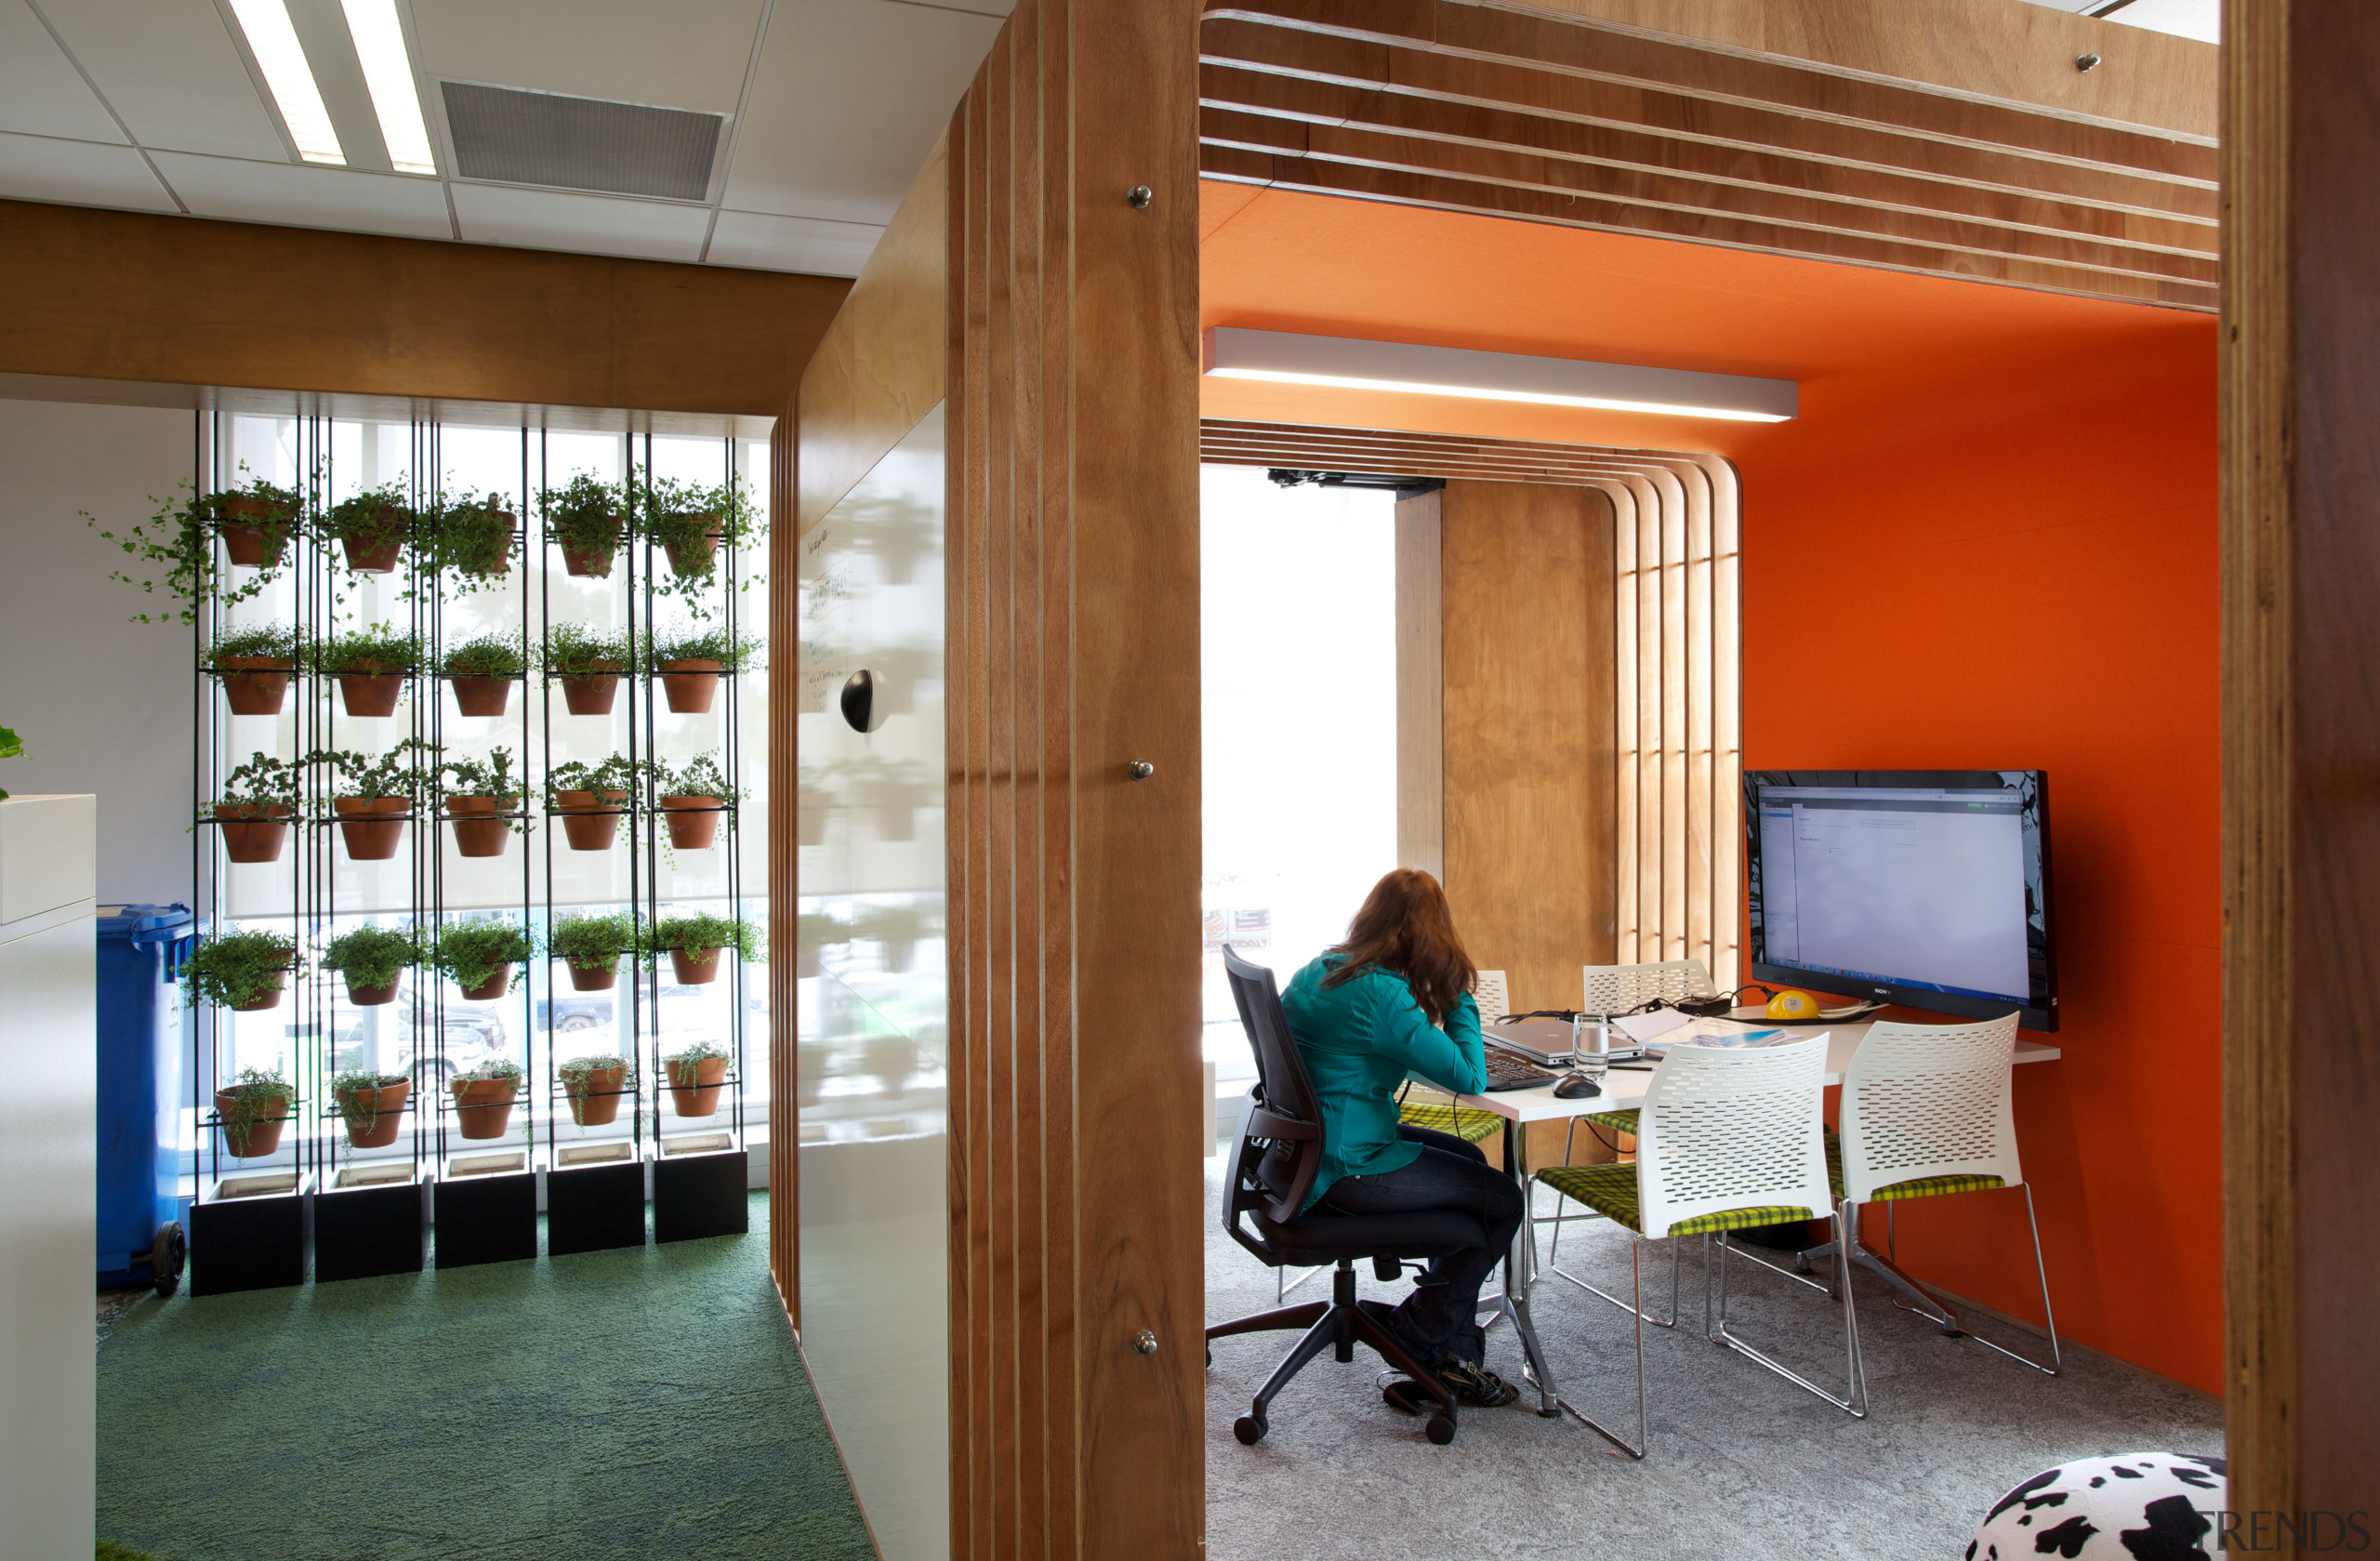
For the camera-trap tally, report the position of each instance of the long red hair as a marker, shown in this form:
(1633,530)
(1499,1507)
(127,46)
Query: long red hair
(1406,928)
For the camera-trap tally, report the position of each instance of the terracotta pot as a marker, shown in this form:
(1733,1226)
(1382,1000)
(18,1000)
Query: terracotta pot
(589,819)
(591,694)
(263,1135)
(601,980)
(372,827)
(268,998)
(372,558)
(483,1106)
(694,821)
(252,834)
(492,988)
(699,1095)
(596,1100)
(690,559)
(504,563)
(592,561)
(479,829)
(259,691)
(695,967)
(250,537)
(691,684)
(481,696)
(370,996)
(384,1105)
(370,694)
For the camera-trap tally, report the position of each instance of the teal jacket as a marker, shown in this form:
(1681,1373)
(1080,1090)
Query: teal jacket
(1360,1041)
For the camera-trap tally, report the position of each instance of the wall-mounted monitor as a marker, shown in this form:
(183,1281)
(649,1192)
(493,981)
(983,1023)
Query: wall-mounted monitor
(1928,887)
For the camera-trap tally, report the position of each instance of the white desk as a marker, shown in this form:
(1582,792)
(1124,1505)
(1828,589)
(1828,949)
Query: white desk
(1623,1089)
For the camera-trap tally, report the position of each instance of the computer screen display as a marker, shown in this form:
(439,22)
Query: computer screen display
(1927,888)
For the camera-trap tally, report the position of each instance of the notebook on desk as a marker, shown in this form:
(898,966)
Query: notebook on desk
(1656,1033)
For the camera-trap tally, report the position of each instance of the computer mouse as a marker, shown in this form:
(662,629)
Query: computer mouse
(1575,1086)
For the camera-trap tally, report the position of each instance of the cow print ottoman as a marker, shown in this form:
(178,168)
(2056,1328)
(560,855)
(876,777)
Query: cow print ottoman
(2144,1507)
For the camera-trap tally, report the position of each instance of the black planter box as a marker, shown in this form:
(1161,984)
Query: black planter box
(364,1232)
(487,1219)
(694,1196)
(248,1243)
(591,1207)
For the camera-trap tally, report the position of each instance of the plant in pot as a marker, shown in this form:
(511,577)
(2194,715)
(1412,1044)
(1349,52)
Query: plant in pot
(695,942)
(586,520)
(590,799)
(591,947)
(371,666)
(372,1105)
(689,521)
(479,957)
(176,548)
(693,801)
(11,746)
(594,1086)
(482,803)
(373,527)
(376,795)
(373,958)
(243,972)
(695,1076)
(691,665)
(474,537)
(255,665)
(251,1109)
(589,665)
(484,1097)
(255,521)
(482,671)
(253,813)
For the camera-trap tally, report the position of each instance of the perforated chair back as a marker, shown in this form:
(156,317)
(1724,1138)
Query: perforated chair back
(1724,1130)
(1926,1101)
(1494,997)
(1619,989)
(1280,1149)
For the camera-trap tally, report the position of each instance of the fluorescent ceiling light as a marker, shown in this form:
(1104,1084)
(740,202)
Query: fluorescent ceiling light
(274,43)
(388,70)
(1351,362)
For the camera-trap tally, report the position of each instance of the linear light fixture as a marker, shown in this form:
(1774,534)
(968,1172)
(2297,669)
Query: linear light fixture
(290,79)
(1352,363)
(388,72)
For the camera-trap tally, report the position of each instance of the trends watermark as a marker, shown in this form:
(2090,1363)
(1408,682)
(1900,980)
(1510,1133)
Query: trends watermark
(2312,1531)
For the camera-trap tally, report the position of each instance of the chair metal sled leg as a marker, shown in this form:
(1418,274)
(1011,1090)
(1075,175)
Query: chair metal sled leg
(1932,1307)
(1636,1313)
(1854,1401)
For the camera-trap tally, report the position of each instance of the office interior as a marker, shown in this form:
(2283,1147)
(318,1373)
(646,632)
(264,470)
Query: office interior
(943,298)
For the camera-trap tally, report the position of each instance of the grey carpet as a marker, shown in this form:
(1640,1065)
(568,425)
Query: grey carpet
(1742,1465)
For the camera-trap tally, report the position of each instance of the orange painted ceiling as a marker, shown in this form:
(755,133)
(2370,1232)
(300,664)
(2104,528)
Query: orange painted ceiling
(1863,343)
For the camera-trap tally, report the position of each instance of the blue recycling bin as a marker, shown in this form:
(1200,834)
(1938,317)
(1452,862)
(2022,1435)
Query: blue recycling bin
(140,953)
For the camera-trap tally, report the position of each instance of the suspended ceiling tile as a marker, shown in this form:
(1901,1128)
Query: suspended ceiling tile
(295,196)
(799,244)
(41,93)
(688,54)
(78,172)
(171,68)
(590,224)
(850,97)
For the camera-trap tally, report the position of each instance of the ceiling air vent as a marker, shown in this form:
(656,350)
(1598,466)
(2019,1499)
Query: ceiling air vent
(513,137)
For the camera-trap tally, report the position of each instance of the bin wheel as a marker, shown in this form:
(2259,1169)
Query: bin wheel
(165,1258)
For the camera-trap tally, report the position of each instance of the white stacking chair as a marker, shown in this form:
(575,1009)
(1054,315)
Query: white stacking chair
(1492,995)
(1622,988)
(1927,1113)
(1727,1139)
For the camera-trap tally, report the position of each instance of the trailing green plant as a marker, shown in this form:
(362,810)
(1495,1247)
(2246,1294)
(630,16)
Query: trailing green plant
(684,1067)
(270,642)
(698,778)
(503,1068)
(573,650)
(263,782)
(234,968)
(378,649)
(358,1094)
(475,537)
(703,932)
(578,1077)
(257,1095)
(486,656)
(472,952)
(470,777)
(697,644)
(176,547)
(685,516)
(383,775)
(617,772)
(593,942)
(11,746)
(585,514)
(373,955)
(374,518)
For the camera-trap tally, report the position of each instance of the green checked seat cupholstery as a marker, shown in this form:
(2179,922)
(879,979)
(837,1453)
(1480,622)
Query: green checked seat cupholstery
(1445,1117)
(1610,1190)
(1923,1187)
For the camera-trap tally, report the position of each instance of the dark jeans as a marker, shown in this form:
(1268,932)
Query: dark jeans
(1435,1320)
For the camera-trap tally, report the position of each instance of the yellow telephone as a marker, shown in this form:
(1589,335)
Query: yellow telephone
(1792,1004)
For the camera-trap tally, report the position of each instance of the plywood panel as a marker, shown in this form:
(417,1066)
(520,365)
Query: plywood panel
(178,300)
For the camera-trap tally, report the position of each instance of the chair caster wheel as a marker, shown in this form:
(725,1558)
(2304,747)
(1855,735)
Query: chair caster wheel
(1250,1430)
(1440,1430)
(1954,1333)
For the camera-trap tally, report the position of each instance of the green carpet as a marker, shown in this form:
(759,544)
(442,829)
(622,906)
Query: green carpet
(646,1403)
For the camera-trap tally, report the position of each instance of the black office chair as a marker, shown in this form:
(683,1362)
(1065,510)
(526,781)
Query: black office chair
(1273,1168)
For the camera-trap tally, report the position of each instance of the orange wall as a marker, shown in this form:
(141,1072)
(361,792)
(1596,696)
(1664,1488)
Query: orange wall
(1987,541)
